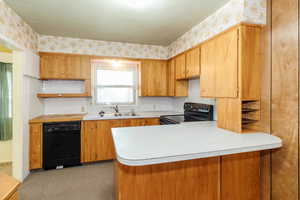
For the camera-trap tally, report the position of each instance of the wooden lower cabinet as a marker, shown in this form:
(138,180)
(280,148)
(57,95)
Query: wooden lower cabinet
(35,145)
(232,177)
(96,138)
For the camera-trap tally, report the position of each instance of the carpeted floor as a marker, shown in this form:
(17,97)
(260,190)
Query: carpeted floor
(6,168)
(88,182)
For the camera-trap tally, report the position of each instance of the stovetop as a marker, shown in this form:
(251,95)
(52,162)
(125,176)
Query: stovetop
(192,112)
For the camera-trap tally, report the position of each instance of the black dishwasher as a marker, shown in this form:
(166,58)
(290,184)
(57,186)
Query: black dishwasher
(61,144)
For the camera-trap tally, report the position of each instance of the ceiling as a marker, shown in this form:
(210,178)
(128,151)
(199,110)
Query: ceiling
(157,22)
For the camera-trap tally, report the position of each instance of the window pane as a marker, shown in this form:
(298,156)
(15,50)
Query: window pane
(115,95)
(114,77)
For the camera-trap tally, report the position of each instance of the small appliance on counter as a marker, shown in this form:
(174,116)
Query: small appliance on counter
(192,112)
(61,144)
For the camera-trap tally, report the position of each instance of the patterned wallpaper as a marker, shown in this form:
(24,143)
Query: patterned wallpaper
(102,48)
(234,12)
(16,29)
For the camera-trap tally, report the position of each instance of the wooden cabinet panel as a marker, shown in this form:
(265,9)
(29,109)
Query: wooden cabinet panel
(171,77)
(96,137)
(193,63)
(226,63)
(64,66)
(89,141)
(208,69)
(219,66)
(180,66)
(177,88)
(230,114)
(152,121)
(35,145)
(197,179)
(240,176)
(153,78)
(250,62)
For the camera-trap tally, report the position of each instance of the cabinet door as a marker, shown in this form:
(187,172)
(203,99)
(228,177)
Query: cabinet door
(89,141)
(226,62)
(193,63)
(35,139)
(208,69)
(180,67)
(171,77)
(153,78)
(61,66)
(52,67)
(106,147)
(177,88)
(219,66)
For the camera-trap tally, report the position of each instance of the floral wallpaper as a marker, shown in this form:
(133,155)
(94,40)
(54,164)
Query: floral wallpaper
(234,12)
(255,11)
(16,29)
(102,48)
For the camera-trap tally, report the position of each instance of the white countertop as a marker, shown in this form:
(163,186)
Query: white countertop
(136,146)
(145,114)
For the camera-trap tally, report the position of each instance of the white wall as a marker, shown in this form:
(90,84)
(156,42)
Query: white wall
(26,105)
(194,96)
(77,105)
(5,146)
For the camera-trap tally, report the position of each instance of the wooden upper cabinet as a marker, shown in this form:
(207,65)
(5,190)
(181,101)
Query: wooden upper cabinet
(64,66)
(230,64)
(219,66)
(176,88)
(226,63)
(171,77)
(208,70)
(180,66)
(153,78)
(193,63)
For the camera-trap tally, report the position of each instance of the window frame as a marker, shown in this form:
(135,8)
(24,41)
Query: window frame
(102,66)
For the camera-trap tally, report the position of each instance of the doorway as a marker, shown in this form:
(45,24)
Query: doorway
(6,126)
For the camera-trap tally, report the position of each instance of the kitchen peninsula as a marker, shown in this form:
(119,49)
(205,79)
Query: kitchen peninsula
(195,161)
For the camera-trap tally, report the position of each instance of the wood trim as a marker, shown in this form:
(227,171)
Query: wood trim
(8,187)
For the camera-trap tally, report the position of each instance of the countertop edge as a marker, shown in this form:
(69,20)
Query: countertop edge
(161,160)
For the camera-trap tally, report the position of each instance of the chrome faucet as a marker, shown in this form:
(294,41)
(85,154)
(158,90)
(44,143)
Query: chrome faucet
(116,109)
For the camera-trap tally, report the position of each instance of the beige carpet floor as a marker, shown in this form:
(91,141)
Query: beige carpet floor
(88,182)
(6,168)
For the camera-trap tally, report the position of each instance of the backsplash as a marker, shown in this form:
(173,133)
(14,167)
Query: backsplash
(62,86)
(71,106)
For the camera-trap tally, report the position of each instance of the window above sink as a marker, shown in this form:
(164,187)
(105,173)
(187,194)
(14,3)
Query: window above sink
(115,82)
